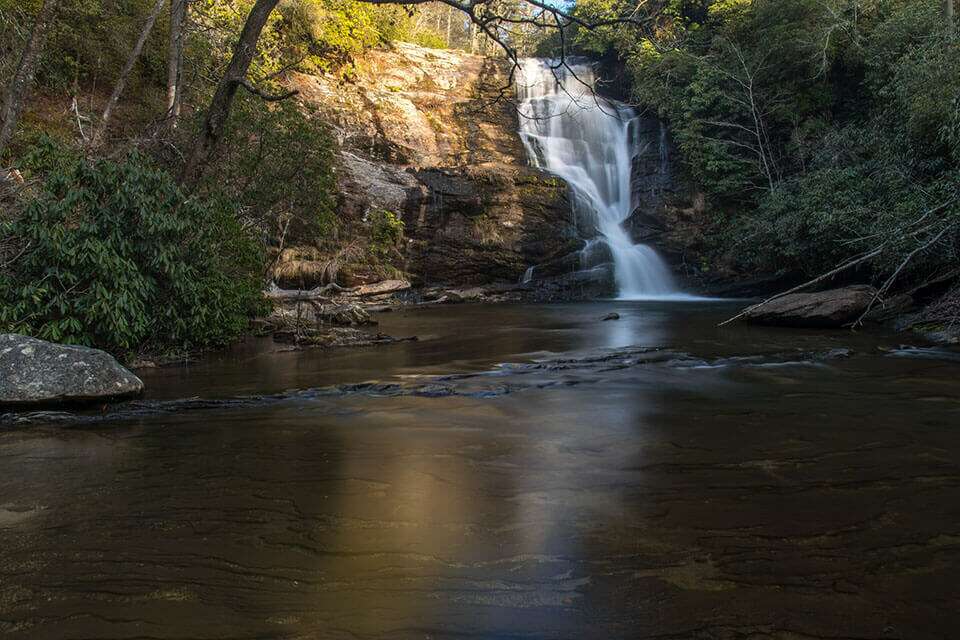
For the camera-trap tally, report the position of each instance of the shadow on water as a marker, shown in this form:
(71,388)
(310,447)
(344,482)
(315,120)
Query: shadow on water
(521,472)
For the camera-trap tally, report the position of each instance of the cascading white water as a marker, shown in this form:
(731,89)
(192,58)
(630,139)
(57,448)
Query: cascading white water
(590,142)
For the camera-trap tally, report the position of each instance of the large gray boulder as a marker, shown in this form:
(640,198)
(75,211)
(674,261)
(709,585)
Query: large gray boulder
(37,372)
(833,308)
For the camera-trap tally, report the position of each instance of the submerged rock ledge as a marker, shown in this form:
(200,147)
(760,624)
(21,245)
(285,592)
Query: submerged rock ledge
(507,378)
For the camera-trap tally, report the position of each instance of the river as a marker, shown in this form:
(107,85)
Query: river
(519,472)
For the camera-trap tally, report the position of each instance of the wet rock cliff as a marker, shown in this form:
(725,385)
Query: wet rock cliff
(671,214)
(426,135)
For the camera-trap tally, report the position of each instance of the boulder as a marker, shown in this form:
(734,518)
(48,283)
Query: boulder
(309,316)
(345,314)
(472,294)
(586,284)
(833,308)
(37,372)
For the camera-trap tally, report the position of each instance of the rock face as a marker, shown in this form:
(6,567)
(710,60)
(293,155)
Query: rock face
(37,372)
(833,308)
(425,134)
(674,216)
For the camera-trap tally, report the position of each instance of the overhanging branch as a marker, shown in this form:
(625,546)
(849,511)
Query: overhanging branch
(269,97)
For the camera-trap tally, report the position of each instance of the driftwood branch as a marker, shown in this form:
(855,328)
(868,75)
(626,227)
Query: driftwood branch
(864,258)
(383,287)
(889,281)
(820,278)
(300,295)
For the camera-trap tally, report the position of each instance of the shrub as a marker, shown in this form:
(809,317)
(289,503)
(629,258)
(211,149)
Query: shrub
(856,195)
(818,130)
(386,232)
(427,38)
(115,256)
(277,165)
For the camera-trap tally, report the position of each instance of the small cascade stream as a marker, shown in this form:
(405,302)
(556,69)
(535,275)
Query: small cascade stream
(591,142)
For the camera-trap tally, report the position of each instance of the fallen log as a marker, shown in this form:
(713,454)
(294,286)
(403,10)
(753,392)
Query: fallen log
(319,294)
(377,288)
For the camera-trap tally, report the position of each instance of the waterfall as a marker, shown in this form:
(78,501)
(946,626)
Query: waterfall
(591,142)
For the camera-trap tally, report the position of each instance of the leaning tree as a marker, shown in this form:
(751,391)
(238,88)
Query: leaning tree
(26,69)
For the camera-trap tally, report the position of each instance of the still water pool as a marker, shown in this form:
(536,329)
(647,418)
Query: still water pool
(518,472)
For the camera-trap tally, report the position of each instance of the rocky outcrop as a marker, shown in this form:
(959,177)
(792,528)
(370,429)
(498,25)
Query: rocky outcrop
(673,216)
(833,308)
(36,372)
(487,223)
(425,134)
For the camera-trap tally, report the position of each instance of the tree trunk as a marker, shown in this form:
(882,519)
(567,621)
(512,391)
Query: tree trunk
(125,74)
(23,77)
(219,109)
(949,21)
(178,15)
(449,21)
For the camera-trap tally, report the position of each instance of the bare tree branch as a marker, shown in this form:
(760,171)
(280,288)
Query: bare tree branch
(269,97)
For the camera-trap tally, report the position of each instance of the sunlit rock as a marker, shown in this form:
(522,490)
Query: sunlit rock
(426,134)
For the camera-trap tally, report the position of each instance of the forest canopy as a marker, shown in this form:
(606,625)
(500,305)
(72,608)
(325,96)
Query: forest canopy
(821,130)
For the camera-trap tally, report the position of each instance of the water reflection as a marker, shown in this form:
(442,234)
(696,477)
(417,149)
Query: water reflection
(613,502)
(452,339)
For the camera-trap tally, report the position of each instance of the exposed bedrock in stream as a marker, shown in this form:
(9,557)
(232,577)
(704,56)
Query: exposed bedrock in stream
(739,493)
(590,368)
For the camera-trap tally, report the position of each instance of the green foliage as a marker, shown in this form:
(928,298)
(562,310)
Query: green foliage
(922,95)
(277,166)
(426,38)
(116,256)
(329,33)
(386,232)
(45,155)
(856,194)
(88,43)
(820,128)
(330,30)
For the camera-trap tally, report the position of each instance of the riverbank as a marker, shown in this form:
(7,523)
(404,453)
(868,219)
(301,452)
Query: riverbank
(453,339)
(348,321)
